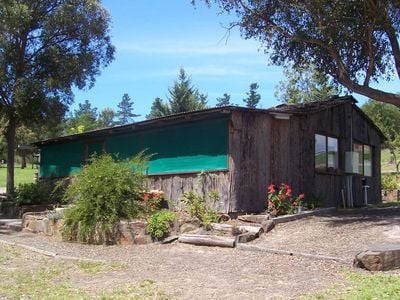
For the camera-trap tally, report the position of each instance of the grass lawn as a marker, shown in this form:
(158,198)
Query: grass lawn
(20,175)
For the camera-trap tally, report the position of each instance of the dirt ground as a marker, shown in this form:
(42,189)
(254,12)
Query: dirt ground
(192,272)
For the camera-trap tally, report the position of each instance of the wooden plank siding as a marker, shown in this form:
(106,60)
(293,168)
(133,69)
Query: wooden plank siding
(249,146)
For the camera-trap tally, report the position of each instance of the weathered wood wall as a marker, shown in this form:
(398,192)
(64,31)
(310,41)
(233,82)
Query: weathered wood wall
(174,185)
(249,161)
(243,187)
(292,153)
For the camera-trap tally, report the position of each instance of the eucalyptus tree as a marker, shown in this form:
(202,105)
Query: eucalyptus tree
(46,48)
(355,42)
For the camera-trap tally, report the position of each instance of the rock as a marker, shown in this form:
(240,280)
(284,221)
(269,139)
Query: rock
(268,225)
(254,218)
(379,258)
(187,227)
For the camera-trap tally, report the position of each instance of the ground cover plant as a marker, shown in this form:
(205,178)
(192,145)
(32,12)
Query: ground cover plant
(363,286)
(106,191)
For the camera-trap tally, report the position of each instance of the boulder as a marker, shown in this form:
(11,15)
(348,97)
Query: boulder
(379,258)
(268,225)
(187,227)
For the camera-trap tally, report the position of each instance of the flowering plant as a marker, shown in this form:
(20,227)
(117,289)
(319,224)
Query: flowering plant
(152,200)
(281,200)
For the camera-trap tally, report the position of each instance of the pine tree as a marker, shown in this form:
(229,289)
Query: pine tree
(182,97)
(253,97)
(125,113)
(224,100)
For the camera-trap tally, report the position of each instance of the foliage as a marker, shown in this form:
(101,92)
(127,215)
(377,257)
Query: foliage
(152,200)
(42,192)
(253,97)
(280,199)
(355,42)
(225,100)
(364,286)
(47,48)
(105,192)
(387,118)
(125,113)
(305,85)
(183,97)
(106,118)
(83,119)
(197,207)
(314,201)
(389,182)
(159,223)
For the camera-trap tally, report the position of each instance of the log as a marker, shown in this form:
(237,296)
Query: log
(245,237)
(256,230)
(254,218)
(222,227)
(379,258)
(207,240)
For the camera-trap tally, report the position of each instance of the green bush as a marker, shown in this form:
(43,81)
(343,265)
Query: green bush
(159,224)
(389,182)
(197,207)
(104,192)
(42,192)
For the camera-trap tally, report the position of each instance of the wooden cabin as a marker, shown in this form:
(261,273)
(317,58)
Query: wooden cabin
(329,149)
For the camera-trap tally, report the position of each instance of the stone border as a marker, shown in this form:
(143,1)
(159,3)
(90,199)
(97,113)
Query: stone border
(304,214)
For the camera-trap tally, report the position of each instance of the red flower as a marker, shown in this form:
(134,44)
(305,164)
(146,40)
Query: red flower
(146,196)
(271,188)
(289,192)
(301,196)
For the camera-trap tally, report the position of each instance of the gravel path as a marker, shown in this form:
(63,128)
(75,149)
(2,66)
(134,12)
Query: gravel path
(192,272)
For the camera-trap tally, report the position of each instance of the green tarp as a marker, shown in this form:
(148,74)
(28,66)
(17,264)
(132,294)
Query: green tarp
(187,147)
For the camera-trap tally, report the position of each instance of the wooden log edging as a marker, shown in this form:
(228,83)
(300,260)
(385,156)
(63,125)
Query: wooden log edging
(208,240)
(305,214)
(246,247)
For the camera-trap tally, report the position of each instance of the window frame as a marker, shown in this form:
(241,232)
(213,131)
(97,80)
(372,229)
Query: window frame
(362,160)
(327,168)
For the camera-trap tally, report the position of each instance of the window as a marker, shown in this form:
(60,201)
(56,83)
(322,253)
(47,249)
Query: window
(326,153)
(364,159)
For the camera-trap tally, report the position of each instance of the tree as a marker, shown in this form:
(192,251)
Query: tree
(387,118)
(224,100)
(106,118)
(182,97)
(253,97)
(83,119)
(305,85)
(355,42)
(125,113)
(159,108)
(46,48)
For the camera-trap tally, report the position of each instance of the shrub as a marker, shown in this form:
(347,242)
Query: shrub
(197,207)
(280,199)
(105,192)
(160,222)
(389,182)
(42,192)
(152,200)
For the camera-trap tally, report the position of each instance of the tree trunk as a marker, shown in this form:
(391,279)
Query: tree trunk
(23,160)
(10,136)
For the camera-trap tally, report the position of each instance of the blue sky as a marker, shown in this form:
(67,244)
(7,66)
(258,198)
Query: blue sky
(154,39)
